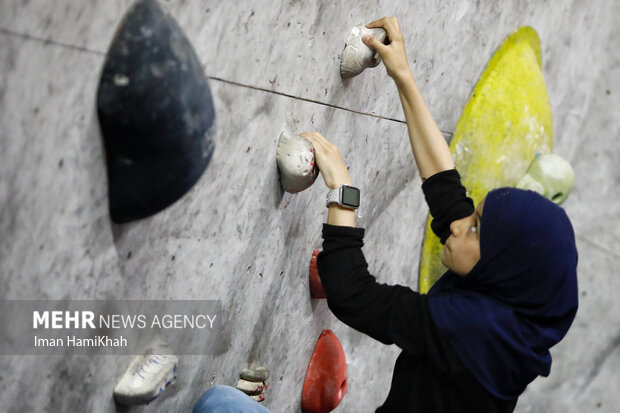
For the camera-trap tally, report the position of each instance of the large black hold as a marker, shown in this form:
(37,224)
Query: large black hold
(156,114)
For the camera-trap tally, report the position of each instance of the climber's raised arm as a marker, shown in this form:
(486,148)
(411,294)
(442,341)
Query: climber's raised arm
(429,147)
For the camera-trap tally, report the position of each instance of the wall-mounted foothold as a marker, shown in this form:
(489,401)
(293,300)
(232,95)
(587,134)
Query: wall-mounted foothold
(316,288)
(251,388)
(326,379)
(252,381)
(356,56)
(296,163)
(156,114)
(258,373)
(551,176)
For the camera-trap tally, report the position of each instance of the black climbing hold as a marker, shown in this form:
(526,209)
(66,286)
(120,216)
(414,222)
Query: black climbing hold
(156,114)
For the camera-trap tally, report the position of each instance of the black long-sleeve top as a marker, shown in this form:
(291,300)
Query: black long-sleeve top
(428,375)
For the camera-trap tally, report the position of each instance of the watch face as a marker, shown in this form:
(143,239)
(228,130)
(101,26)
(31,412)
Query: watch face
(351,196)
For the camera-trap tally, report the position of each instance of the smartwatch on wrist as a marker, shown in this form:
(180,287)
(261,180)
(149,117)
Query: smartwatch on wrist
(345,196)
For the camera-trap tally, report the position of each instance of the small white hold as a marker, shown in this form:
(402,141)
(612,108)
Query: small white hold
(121,80)
(146,31)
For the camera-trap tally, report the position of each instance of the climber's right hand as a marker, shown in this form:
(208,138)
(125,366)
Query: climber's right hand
(393,54)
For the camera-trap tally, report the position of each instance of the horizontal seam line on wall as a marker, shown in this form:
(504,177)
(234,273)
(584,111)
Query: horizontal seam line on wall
(305,99)
(84,49)
(597,246)
(312,101)
(50,41)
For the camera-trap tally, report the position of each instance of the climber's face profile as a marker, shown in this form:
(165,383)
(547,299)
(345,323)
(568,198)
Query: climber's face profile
(461,252)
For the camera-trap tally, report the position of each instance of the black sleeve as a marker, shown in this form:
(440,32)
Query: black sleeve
(448,201)
(392,314)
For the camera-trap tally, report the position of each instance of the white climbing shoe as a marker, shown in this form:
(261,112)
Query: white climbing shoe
(356,55)
(146,378)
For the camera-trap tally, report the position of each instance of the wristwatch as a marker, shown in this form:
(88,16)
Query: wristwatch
(345,196)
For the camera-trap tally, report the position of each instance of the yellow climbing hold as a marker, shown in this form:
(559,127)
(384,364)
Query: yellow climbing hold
(505,123)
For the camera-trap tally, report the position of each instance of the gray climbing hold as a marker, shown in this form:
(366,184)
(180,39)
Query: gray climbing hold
(156,114)
(296,163)
(256,374)
(356,55)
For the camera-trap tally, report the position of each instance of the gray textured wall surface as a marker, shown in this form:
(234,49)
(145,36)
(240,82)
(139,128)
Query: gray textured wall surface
(236,236)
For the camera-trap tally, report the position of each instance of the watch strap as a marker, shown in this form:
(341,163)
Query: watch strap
(337,196)
(333,196)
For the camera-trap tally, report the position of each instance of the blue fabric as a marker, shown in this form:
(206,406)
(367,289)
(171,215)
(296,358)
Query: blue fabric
(226,399)
(518,300)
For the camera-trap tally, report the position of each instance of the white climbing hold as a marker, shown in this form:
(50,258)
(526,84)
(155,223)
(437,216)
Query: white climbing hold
(299,171)
(551,176)
(356,55)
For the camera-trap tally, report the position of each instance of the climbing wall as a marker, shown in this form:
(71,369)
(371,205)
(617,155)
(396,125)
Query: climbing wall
(236,236)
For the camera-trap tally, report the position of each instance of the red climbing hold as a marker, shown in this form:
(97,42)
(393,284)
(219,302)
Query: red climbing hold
(326,379)
(316,288)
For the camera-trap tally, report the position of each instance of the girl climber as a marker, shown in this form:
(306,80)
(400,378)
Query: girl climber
(484,330)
